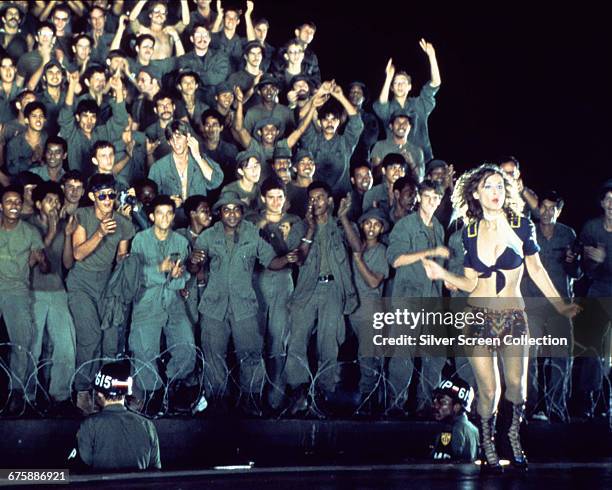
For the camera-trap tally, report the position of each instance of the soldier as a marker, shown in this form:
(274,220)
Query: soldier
(381,196)
(324,293)
(283,231)
(197,210)
(297,191)
(229,304)
(361,183)
(559,258)
(102,236)
(21,248)
(332,151)
(184,172)
(50,308)
(248,173)
(458,439)
(159,306)
(80,128)
(115,438)
(400,83)
(370,270)
(416,236)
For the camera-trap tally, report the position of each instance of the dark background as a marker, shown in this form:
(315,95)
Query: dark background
(523,80)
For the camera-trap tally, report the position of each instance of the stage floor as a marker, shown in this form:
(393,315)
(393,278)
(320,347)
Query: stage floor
(570,475)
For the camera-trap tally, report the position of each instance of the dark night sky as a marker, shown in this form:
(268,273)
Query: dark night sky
(525,81)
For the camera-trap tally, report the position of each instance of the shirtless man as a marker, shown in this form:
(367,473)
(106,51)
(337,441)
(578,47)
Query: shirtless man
(158,14)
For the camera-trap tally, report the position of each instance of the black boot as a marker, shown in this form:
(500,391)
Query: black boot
(489,461)
(153,404)
(15,406)
(511,437)
(298,401)
(250,405)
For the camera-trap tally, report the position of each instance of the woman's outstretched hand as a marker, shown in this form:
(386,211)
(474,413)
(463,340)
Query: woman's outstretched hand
(433,270)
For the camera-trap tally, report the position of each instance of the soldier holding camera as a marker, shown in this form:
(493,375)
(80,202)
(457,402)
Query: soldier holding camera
(101,237)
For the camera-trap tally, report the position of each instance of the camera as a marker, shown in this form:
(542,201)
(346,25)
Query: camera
(578,247)
(125,198)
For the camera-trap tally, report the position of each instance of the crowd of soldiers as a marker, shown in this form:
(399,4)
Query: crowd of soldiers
(212,208)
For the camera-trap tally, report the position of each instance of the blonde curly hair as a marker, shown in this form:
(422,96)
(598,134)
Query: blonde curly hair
(469,209)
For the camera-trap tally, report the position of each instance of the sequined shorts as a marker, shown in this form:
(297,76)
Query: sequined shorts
(498,323)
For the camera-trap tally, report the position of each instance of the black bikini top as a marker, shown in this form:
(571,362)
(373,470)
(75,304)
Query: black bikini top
(509,259)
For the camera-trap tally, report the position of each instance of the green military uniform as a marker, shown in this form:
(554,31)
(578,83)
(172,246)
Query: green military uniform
(86,283)
(232,48)
(266,155)
(252,200)
(281,112)
(51,314)
(333,156)
(16,298)
(116,439)
(324,293)
(419,109)
(455,265)
(411,153)
(157,68)
(298,199)
(213,68)
(378,194)
(229,305)
(79,147)
(53,108)
(457,442)
(19,153)
(6,100)
(43,172)
(411,235)
(274,289)
(195,119)
(136,167)
(194,289)
(155,132)
(164,174)
(369,302)
(158,308)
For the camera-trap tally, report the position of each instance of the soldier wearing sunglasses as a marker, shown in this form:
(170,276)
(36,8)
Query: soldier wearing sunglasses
(102,236)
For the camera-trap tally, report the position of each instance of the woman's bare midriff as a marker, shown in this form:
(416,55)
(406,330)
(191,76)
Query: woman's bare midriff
(509,298)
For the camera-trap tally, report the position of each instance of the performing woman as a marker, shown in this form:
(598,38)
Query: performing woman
(498,243)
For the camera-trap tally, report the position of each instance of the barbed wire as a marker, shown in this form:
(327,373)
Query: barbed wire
(382,393)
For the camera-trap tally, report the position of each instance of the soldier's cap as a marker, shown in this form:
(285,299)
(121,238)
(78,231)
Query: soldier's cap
(264,121)
(375,213)
(301,154)
(459,390)
(223,87)
(226,198)
(243,156)
(433,164)
(114,379)
(268,79)
(281,152)
(402,113)
(97,182)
